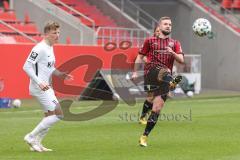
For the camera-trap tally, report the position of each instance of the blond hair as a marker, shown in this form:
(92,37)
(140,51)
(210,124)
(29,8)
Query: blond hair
(163,18)
(51,26)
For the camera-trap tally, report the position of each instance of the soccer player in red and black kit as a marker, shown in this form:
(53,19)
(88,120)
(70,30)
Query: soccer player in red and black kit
(158,53)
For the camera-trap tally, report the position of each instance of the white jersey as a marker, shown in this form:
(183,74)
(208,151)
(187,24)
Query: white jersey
(43,60)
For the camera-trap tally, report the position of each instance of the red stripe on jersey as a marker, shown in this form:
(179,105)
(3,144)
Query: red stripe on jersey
(156,51)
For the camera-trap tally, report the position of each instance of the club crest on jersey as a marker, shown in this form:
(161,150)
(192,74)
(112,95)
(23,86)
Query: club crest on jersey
(171,44)
(33,56)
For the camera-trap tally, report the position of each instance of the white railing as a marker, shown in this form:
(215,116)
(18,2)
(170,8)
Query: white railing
(117,35)
(18,31)
(136,13)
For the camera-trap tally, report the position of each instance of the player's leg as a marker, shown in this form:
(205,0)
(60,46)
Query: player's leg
(49,102)
(158,104)
(173,83)
(39,139)
(165,76)
(33,138)
(147,106)
(158,80)
(59,114)
(150,82)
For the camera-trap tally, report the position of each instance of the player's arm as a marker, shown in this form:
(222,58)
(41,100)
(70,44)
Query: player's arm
(137,64)
(141,58)
(28,67)
(62,75)
(177,52)
(178,57)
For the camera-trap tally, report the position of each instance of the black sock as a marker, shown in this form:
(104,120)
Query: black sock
(152,120)
(146,107)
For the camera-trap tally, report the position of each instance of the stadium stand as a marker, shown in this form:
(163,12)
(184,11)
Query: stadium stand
(230,4)
(225,10)
(88,10)
(107,30)
(20,31)
(227,4)
(103,27)
(236,4)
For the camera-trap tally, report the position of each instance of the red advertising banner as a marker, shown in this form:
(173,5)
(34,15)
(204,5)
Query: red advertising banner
(14,81)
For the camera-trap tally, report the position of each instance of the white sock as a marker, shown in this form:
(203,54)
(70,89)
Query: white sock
(46,123)
(42,134)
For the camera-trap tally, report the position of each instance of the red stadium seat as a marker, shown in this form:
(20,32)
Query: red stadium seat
(26,27)
(8,16)
(89,10)
(37,37)
(227,4)
(21,39)
(68,40)
(236,4)
(4,28)
(6,5)
(26,18)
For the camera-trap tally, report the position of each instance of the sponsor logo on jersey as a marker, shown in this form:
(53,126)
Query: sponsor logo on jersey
(50,64)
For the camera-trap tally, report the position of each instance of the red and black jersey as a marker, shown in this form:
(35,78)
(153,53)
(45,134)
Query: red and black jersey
(154,49)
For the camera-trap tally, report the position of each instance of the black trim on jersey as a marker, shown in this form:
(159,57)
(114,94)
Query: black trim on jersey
(55,102)
(36,67)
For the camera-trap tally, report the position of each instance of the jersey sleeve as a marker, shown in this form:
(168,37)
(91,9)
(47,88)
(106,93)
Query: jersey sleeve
(32,59)
(145,48)
(34,55)
(28,68)
(178,47)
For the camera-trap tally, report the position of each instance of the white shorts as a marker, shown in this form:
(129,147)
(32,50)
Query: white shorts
(47,99)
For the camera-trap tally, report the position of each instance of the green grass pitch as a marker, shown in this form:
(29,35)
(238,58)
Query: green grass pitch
(188,129)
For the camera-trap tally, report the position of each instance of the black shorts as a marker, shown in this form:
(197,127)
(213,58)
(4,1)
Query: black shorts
(157,81)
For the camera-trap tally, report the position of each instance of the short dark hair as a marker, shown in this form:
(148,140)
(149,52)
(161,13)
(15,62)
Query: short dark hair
(51,26)
(163,18)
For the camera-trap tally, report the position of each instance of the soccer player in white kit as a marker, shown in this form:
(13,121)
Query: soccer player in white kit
(39,66)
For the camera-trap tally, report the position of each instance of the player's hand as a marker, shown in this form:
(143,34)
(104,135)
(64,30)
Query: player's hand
(44,86)
(145,60)
(169,49)
(134,76)
(66,76)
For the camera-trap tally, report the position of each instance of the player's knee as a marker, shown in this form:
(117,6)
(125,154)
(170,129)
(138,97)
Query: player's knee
(159,101)
(150,96)
(167,78)
(156,108)
(158,104)
(49,113)
(61,116)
